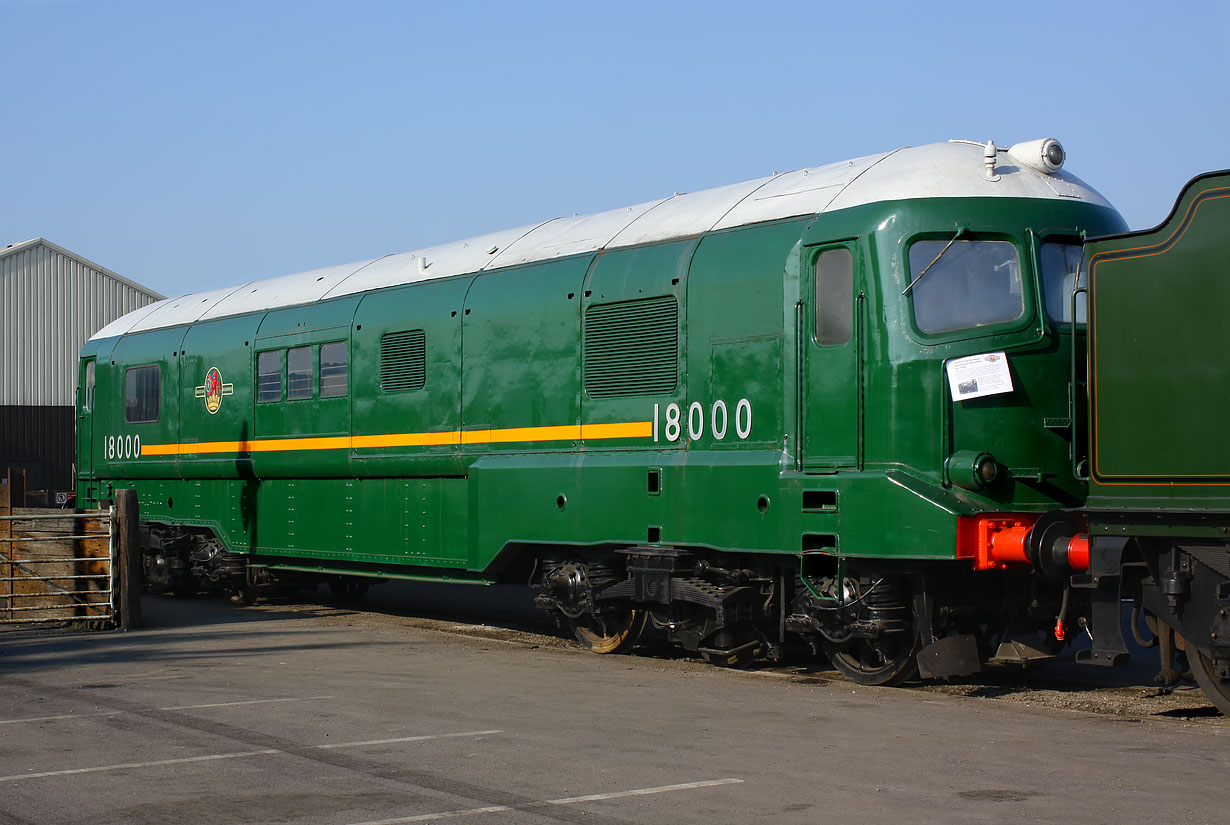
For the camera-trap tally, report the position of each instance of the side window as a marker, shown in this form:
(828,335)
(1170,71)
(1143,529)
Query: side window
(834,297)
(88,401)
(299,373)
(333,369)
(269,376)
(142,394)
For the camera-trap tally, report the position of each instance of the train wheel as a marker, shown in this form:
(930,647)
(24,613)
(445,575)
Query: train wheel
(1214,687)
(610,632)
(889,661)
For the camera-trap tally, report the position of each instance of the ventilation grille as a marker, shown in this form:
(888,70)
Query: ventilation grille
(632,348)
(403,361)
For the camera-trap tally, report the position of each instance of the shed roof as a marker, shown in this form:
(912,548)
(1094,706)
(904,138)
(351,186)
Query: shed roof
(22,246)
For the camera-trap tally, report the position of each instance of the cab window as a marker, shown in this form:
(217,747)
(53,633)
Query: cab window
(964,284)
(1061,273)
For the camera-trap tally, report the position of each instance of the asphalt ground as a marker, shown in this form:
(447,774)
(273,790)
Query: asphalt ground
(437,703)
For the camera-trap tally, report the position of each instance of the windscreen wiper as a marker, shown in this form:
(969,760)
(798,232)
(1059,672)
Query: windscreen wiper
(960,232)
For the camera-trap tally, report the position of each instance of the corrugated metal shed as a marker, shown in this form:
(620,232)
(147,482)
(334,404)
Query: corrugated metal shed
(51,301)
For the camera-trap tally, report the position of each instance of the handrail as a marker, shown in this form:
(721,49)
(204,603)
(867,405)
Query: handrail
(1077,289)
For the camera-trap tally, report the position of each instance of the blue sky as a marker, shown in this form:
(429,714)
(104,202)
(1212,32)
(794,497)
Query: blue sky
(188,145)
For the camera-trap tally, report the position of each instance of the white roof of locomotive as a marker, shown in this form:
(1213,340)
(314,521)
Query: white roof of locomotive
(953,169)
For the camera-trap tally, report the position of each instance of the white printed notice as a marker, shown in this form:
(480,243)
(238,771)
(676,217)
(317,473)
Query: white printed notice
(977,375)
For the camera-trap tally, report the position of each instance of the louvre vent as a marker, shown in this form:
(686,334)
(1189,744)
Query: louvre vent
(403,361)
(632,348)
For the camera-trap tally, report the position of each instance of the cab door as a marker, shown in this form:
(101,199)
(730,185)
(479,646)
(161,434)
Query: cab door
(830,333)
(86,382)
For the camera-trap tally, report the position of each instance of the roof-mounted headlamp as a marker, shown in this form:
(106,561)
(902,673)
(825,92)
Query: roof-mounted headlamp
(1045,156)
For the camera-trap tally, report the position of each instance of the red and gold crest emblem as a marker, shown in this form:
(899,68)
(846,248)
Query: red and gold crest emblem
(213,390)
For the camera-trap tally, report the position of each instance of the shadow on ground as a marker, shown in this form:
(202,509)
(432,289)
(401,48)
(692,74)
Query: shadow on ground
(192,629)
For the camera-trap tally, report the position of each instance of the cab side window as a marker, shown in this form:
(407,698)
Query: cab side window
(1061,274)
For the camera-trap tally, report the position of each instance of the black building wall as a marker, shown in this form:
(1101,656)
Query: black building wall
(40,441)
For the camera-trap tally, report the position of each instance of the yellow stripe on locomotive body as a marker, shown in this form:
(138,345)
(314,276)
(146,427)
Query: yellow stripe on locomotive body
(635,429)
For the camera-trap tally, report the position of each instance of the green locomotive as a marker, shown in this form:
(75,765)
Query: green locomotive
(1156,526)
(828,404)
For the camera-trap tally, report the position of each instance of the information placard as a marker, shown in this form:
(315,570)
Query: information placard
(975,376)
